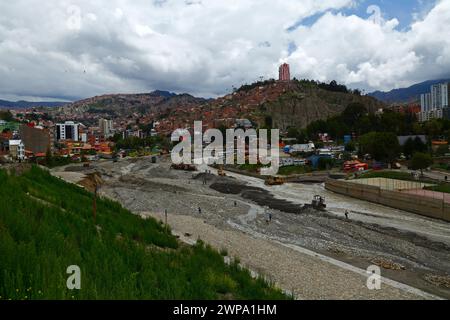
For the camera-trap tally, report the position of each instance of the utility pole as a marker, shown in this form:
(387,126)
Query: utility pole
(94,207)
(96,181)
(165,214)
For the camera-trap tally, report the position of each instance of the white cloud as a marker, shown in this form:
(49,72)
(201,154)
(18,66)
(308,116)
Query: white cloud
(52,49)
(359,52)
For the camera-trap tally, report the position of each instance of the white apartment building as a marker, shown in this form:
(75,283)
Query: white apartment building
(445,90)
(436,98)
(431,114)
(106,127)
(17,149)
(433,103)
(68,131)
(425,102)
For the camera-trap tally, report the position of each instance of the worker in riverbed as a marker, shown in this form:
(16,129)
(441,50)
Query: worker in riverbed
(235,203)
(199,210)
(268,217)
(346,214)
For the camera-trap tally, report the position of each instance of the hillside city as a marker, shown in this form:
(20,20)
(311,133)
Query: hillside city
(137,142)
(114,126)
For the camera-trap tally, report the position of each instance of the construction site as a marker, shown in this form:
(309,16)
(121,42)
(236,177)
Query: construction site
(313,250)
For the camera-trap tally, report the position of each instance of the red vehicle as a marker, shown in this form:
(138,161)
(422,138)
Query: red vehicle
(355,166)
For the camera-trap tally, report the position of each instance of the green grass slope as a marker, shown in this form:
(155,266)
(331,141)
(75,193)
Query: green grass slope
(46,225)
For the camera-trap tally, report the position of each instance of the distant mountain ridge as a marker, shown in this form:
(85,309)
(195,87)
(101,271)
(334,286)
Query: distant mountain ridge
(27,104)
(22,104)
(123,105)
(410,94)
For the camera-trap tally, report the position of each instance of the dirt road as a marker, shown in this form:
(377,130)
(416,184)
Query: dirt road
(305,275)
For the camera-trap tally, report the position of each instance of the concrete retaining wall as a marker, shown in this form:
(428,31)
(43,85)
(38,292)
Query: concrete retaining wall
(425,206)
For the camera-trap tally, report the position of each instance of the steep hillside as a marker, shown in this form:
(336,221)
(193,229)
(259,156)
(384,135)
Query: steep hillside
(295,103)
(46,225)
(303,104)
(410,94)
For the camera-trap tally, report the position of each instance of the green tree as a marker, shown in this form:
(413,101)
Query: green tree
(326,163)
(433,128)
(392,122)
(350,147)
(421,161)
(292,132)
(268,121)
(6,115)
(382,146)
(442,150)
(412,146)
(49,158)
(353,113)
(299,135)
(117,137)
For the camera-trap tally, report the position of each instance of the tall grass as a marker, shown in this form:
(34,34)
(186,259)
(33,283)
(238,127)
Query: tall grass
(46,225)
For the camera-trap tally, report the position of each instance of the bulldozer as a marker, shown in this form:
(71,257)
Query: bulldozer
(275,181)
(317,203)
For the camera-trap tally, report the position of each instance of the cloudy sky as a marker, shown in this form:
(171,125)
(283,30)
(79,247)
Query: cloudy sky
(71,49)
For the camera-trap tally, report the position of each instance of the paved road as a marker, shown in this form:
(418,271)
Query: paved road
(436,175)
(432,174)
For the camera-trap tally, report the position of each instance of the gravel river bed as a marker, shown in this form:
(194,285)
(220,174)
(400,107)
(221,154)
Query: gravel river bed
(315,255)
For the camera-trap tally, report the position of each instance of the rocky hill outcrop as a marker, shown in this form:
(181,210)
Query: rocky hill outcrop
(302,105)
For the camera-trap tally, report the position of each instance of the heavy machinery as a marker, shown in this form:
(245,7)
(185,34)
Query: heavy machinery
(317,203)
(221,172)
(275,181)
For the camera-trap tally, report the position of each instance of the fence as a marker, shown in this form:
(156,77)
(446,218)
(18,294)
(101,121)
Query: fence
(426,206)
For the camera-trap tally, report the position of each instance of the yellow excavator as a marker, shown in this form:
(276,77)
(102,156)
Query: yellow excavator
(275,181)
(221,172)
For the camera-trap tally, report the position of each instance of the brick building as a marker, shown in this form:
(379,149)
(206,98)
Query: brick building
(284,72)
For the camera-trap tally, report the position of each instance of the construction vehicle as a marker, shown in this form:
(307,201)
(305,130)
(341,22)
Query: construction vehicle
(221,172)
(275,181)
(317,203)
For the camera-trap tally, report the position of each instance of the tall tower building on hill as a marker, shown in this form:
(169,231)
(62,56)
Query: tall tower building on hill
(285,74)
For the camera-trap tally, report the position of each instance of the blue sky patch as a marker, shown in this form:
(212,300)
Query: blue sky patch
(404,11)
